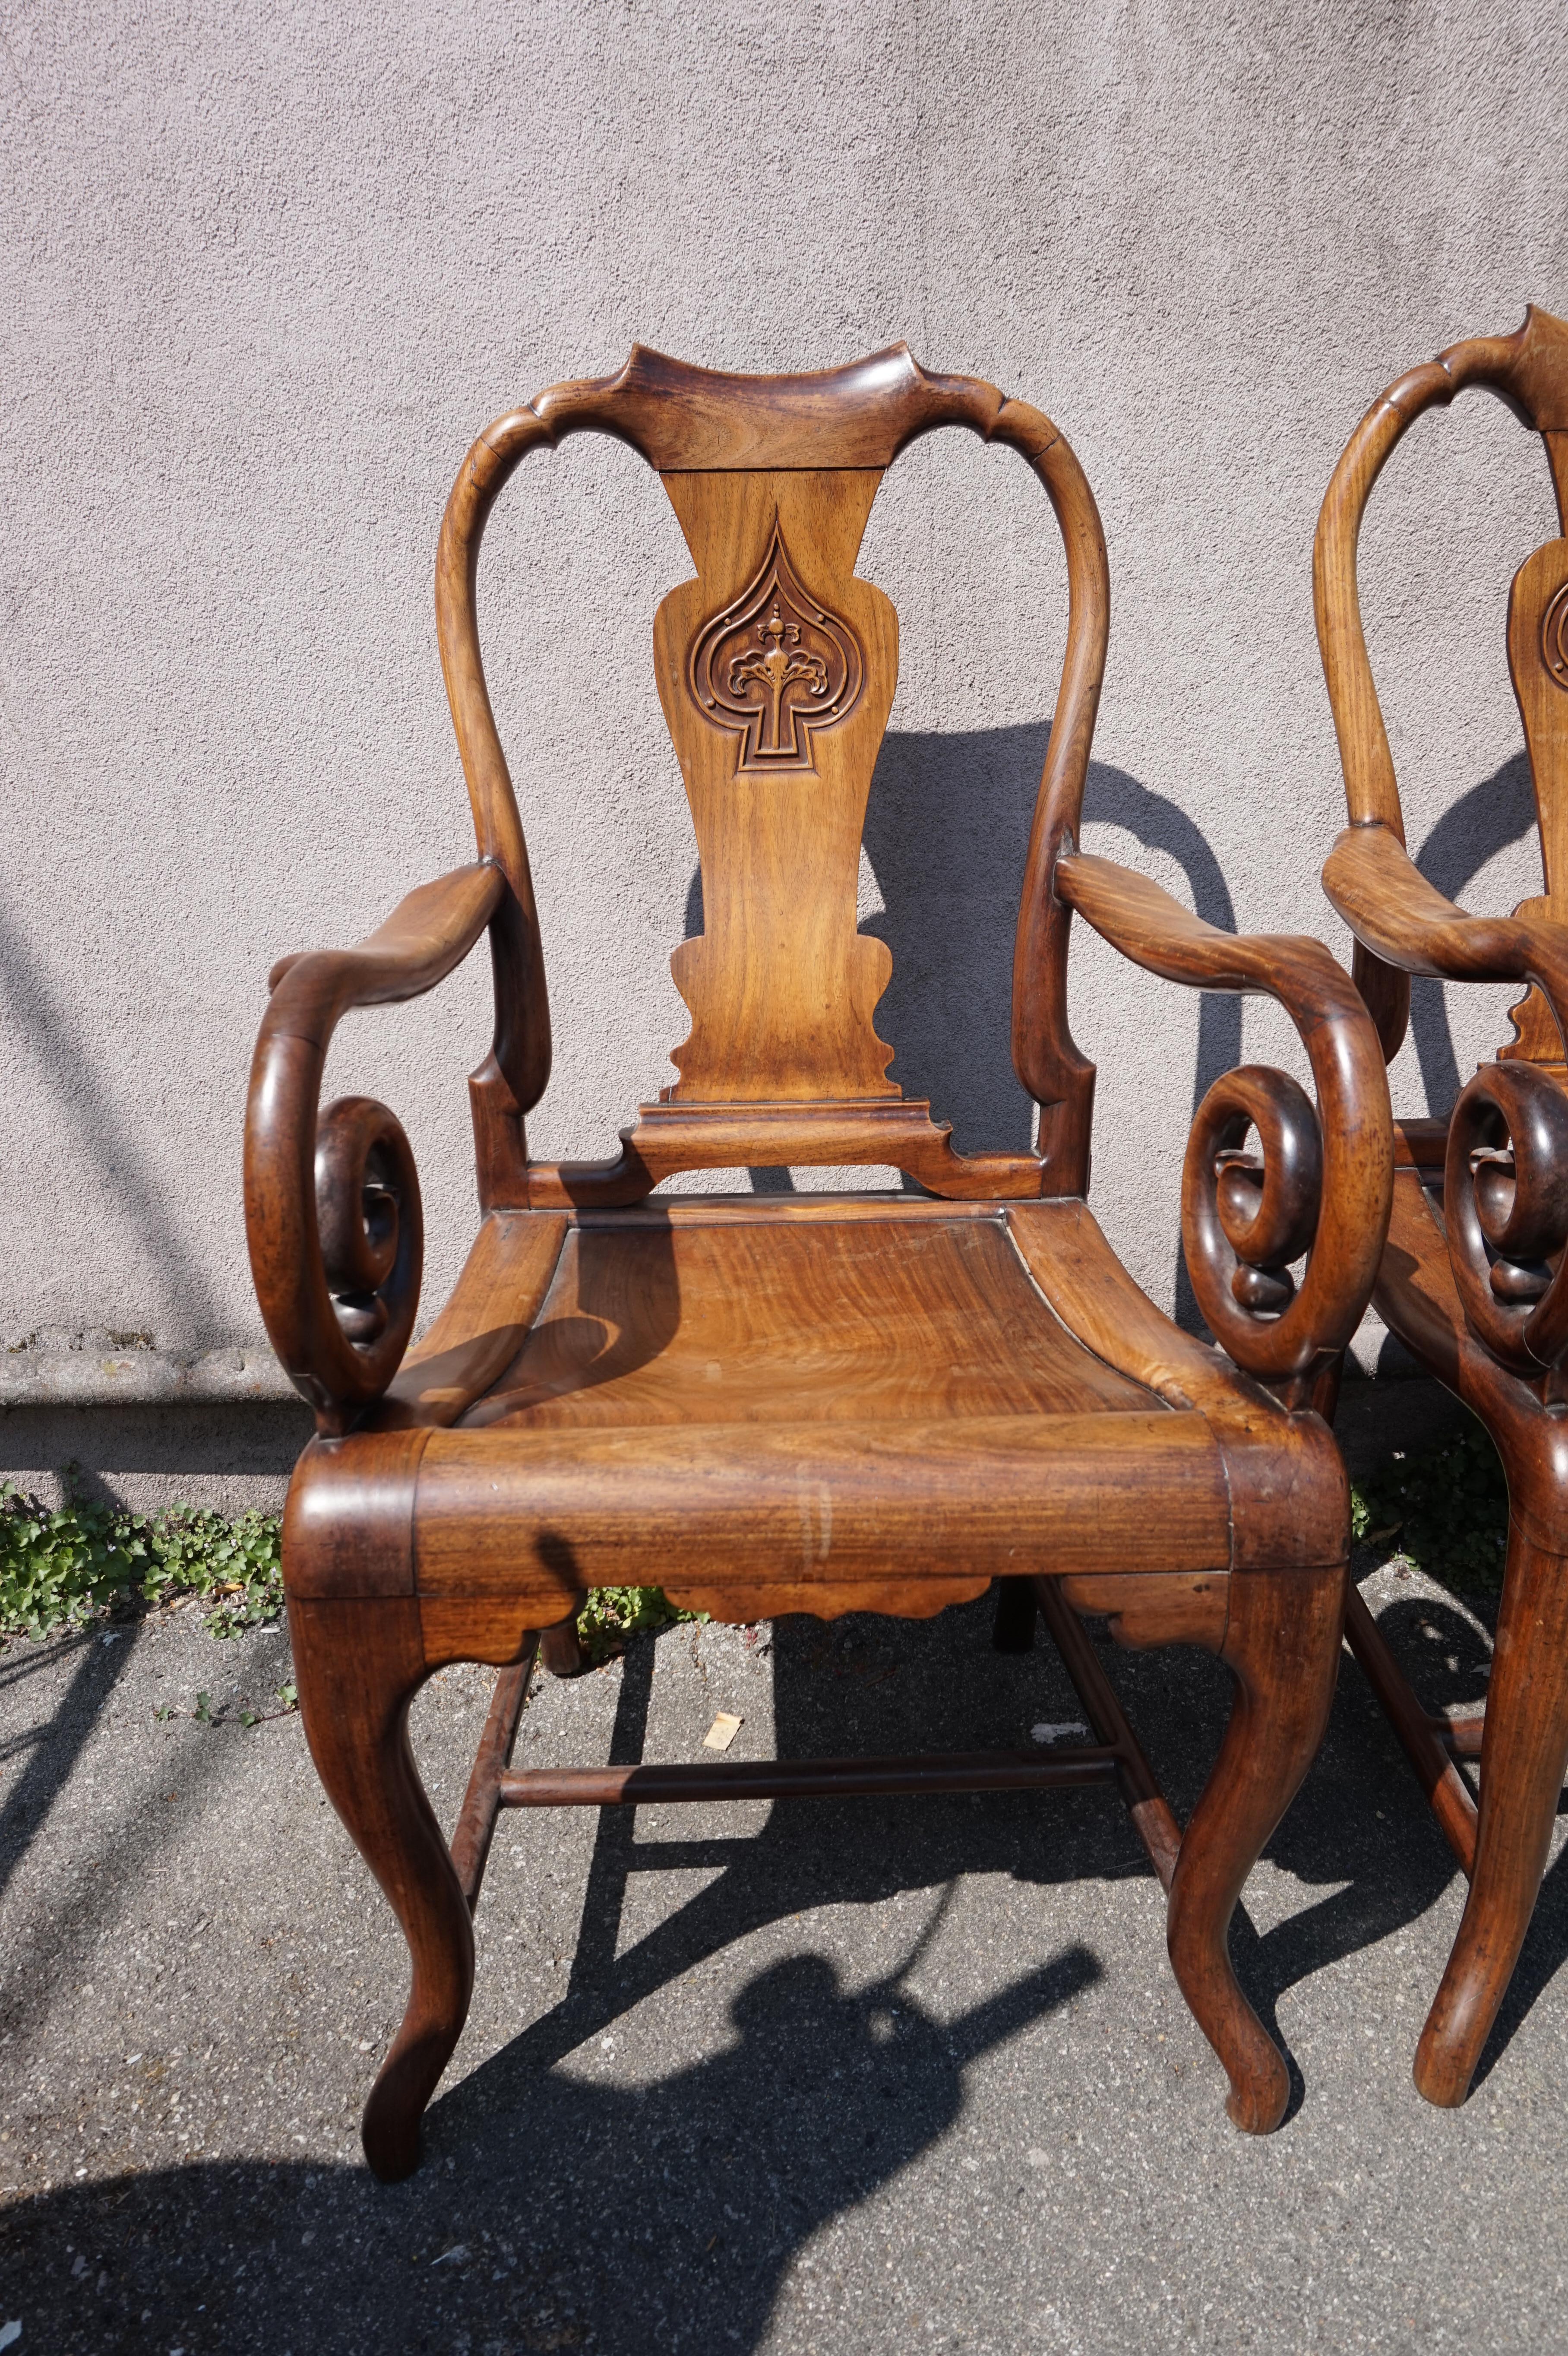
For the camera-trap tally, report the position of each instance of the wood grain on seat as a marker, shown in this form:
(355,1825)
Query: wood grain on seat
(765,1321)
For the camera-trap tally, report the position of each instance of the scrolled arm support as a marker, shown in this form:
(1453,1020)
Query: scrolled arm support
(1505,1206)
(1326,1180)
(331,1202)
(1245,1220)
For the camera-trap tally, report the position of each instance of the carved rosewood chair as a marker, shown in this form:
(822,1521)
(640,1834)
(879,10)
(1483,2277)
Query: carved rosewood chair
(825,1404)
(1473,1279)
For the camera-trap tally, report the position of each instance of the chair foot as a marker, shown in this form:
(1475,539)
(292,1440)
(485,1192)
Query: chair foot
(358,1666)
(1524,1753)
(1282,1646)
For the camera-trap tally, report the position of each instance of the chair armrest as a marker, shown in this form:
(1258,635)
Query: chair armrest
(1327,1175)
(1393,911)
(332,1202)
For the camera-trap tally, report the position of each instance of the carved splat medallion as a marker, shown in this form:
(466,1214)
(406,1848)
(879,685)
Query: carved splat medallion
(1554,638)
(774,666)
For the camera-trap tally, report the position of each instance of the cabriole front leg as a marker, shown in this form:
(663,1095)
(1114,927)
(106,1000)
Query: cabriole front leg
(1282,1646)
(358,1665)
(1524,1754)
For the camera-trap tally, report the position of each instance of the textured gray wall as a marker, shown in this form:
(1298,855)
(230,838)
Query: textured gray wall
(268,272)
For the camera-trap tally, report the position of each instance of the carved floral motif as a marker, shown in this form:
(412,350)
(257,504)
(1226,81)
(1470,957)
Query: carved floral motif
(774,667)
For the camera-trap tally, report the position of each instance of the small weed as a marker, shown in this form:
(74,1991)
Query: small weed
(204,1714)
(613,1615)
(1446,1506)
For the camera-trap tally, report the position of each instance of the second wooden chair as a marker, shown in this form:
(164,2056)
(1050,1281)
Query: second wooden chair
(1474,1276)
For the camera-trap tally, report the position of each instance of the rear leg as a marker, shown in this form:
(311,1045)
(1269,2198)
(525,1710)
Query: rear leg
(1524,1753)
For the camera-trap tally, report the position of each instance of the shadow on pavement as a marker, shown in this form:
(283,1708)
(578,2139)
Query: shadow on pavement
(54,1745)
(566,2215)
(558,2207)
(1359,1825)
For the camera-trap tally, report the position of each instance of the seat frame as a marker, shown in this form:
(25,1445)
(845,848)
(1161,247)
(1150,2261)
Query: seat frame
(776,664)
(1474,1277)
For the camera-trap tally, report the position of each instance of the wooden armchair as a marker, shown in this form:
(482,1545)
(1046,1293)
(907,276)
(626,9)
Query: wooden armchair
(840,1403)
(1474,1279)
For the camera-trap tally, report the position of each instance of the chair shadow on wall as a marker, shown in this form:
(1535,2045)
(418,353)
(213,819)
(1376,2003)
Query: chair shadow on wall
(1483,822)
(946,830)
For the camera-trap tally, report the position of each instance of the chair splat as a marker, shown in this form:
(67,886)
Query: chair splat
(776,670)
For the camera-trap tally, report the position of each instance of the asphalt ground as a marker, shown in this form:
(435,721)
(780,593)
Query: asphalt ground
(841,2076)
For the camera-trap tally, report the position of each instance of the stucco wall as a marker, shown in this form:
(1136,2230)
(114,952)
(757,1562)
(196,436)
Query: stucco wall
(268,272)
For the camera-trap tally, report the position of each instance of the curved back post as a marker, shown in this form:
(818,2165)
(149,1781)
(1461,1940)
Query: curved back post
(1529,371)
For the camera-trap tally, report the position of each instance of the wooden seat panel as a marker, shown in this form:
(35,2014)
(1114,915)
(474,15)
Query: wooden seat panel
(768,1321)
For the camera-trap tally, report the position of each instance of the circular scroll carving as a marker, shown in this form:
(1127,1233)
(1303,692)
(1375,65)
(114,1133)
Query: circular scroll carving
(1554,638)
(1505,1206)
(371,1223)
(1246,1219)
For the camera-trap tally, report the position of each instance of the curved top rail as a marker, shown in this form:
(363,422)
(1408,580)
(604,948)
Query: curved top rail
(685,420)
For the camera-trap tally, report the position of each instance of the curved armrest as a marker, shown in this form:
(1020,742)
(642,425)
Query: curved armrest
(331,1202)
(1404,920)
(1326,1178)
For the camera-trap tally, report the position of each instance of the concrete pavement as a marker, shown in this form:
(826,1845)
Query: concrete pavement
(853,2076)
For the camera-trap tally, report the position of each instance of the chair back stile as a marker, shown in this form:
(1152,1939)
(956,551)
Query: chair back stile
(775,666)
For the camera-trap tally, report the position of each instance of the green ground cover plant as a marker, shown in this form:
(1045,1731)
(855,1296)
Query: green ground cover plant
(63,1565)
(613,1615)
